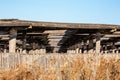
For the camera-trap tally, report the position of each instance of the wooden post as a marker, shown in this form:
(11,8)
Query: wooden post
(90,46)
(12,41)
(98,43)
(80,47)
(55,50)
(5,48)
(24,41)
(77,50)
(117,51)
(20,50)
(85,47)
(113,47)
(106,49)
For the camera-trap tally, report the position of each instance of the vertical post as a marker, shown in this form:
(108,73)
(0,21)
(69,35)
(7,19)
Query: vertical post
(80,47)
(77,50)
(117,51)
(90,46)
(85,47)
(55,50)
(98,43)
(106,49)
(24,41)
(113,47)
(12,41)
(5,48)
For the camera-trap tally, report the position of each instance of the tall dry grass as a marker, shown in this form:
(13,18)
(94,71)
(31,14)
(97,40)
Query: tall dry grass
(69,67)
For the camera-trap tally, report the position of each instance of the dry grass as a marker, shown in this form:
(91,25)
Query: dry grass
(69,67)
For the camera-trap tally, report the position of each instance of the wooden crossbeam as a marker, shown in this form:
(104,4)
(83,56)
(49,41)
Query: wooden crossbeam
(33,33)
(5,35)
(117,33)
(57,37)
(54,39)
(111,35)
(54,31)
(4,38)
(117,43)
(104,38)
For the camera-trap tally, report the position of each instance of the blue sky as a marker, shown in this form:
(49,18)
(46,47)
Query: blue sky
(76,11)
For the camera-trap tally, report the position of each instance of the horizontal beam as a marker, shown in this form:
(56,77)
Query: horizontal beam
(54,31)
(54,39)
(57,37)
(35,33)
(105,38)
(117,43)
(117,33)
(4,38)
(6,35)
(111,35)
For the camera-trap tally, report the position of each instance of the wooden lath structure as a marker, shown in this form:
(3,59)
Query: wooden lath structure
(34,36)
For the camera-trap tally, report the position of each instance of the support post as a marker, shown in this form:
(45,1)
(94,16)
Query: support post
(98,43)
(55,50)
(113,47)
(5,48)
(90,46)
(12,41)
(85,47)
(77,50)
(24,41)
(106,49)
(82,46)
(117,51)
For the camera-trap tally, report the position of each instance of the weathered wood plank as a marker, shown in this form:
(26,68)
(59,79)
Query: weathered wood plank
(54,31)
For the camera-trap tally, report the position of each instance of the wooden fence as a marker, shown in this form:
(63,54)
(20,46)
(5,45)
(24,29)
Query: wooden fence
(12,61)
(8,61)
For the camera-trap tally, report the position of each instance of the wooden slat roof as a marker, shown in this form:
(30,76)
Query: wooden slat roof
(23,23)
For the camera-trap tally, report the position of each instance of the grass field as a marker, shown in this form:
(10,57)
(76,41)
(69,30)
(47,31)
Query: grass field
(79,67)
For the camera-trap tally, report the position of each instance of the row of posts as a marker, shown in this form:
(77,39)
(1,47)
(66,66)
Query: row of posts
(12,44)
(90,47)
(86,47)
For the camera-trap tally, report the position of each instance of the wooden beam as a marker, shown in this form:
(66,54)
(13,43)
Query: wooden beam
(4,35)
(117,33)
(54,39)
(107,36)
(4,38)
(104,38)
(34,33)
(117,43)
(54,31)
(57,37)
